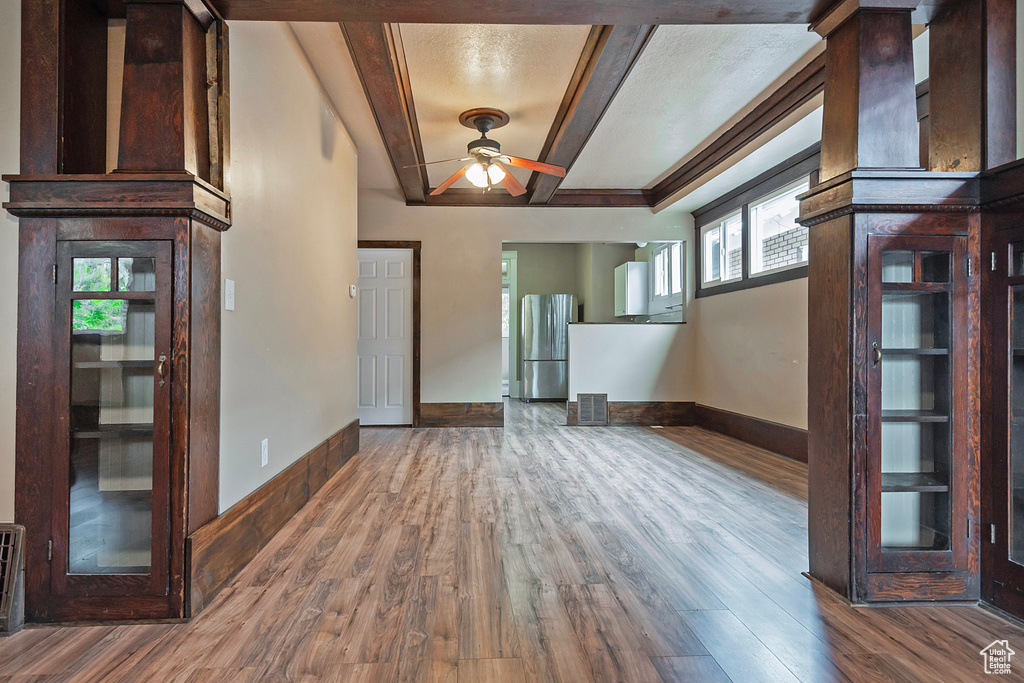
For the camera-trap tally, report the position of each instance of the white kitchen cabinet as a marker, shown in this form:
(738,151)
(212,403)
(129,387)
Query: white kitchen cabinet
(631,288)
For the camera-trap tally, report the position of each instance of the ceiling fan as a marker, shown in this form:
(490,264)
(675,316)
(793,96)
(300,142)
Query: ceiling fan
(486,170)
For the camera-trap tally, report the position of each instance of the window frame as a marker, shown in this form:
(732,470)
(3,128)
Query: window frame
(703,230)
(802,165)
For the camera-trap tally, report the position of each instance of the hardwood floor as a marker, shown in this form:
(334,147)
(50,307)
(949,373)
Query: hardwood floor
(535,553)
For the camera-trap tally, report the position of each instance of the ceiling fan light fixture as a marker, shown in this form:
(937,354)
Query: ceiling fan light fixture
(495,173)
(477,175)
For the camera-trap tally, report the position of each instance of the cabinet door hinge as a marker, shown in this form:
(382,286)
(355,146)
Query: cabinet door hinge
(49,550)
(968,527)
(970,267)
(54,273)
(993,260)
(992,533)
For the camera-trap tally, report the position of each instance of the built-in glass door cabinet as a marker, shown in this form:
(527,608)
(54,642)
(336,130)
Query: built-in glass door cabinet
(1003,561)
(111,503)
(919,508)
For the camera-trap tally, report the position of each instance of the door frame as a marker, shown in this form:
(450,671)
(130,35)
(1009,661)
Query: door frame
(513,321)
(416,246)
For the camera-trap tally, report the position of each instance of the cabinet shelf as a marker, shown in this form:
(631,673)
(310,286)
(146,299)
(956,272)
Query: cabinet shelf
(915,352)
(103,364)
(913,416)
(113,430)
(914,482)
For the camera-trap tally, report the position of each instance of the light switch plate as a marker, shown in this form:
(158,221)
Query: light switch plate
(229,295)
(351,291)
(265,453)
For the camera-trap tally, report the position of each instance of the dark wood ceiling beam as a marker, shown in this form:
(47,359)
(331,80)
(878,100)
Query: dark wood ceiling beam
(378,56)
(804,86)
(609,55)
(540,11)
(462,196)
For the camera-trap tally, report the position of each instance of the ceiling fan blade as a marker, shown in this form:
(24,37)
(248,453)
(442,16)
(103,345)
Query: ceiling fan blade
(514,187)
(443,161)
(540,166)
(451,181)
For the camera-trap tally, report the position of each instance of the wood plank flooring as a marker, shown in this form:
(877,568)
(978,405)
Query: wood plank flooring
(535,553)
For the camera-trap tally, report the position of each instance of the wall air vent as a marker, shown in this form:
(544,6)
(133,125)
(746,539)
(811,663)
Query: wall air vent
(592,409)
(12,580)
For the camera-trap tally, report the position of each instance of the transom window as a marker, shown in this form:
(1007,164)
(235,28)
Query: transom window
(750,237)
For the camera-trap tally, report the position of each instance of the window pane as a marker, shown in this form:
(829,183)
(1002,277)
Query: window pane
(712,269)
(776,239)
(897,266)
(659,273)
(732,250)
(677,270)
(136,274)
(91,275)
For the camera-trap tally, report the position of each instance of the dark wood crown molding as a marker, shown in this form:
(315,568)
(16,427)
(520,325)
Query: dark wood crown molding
(379,59)
(607,59)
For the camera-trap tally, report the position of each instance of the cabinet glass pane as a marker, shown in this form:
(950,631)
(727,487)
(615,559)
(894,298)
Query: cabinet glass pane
(915,403)
(91,275)
(1017,260)
(111,473)
(136,274)
(935,266)
(1016,409)
(897,266)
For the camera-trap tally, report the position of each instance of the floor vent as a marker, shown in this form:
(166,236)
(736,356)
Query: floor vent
(12,579)
(592,409)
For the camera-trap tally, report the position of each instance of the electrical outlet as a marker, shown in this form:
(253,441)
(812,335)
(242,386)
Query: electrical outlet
(265,452)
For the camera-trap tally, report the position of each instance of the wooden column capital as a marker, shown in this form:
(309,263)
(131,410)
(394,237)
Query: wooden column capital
(834,17)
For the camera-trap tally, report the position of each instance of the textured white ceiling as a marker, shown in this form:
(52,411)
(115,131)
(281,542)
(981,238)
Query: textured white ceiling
(688,83)
(522,70)
(325,47)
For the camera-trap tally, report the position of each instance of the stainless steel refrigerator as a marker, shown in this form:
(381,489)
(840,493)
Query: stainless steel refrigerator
(545,335)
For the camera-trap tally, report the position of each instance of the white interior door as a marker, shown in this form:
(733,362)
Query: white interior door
(384,372)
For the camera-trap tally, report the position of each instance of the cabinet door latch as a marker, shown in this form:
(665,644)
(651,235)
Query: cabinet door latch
(993,260)
(53,275)
(992,533)
(49,550)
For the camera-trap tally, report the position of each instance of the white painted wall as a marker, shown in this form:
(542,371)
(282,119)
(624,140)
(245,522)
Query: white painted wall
(647,362)
(751,351)
(461,269)
(289,348)
(10,110)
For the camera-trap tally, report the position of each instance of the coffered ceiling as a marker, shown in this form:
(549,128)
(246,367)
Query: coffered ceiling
(639,115)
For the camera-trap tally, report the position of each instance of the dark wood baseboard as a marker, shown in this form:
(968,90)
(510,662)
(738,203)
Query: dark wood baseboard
(220,549)
(790,442)
(462,414)
(642,413)
(787,441)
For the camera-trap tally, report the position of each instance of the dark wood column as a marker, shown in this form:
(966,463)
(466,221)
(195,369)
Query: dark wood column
(973,116)
(870,117)
(873,188)
(164,108)
(63,87)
